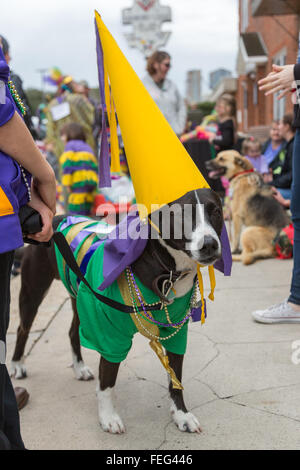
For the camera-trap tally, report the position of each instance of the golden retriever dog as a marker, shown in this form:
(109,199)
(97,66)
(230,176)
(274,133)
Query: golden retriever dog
(252,206)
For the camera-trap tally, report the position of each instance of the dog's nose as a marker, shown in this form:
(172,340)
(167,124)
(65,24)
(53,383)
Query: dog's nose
(210,246)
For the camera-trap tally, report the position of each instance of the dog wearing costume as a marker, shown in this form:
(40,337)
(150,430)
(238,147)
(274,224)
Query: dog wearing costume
(148,268)
(108,331)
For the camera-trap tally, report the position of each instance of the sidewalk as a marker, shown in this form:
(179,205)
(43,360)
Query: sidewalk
(239,378)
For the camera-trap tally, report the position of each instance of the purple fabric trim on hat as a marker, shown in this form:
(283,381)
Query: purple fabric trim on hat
(225,263)
(104,158)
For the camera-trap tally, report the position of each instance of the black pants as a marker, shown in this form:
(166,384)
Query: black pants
(10,436)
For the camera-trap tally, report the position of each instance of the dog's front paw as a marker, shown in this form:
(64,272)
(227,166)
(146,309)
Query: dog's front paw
(82,372)
(111,422)
(185,422)
(18,370)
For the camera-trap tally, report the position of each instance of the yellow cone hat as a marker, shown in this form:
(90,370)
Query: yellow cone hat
(160,167)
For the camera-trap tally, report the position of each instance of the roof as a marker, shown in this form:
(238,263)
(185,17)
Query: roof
(253,44)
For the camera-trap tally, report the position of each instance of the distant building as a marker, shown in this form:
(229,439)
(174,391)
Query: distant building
(193,86)
(216,76)
(264,39)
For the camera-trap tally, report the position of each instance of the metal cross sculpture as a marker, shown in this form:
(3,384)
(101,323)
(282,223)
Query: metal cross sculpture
(146,18)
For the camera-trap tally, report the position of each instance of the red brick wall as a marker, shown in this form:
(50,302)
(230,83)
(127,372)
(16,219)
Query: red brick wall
(276,39)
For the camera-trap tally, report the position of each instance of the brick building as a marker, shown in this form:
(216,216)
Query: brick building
(264,38)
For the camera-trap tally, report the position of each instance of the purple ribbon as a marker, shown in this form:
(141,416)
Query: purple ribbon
(104,158)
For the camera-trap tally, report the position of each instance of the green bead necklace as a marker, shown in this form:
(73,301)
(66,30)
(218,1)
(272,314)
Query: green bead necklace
(16,97)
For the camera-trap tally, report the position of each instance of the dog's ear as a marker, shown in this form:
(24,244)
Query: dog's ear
(242,162)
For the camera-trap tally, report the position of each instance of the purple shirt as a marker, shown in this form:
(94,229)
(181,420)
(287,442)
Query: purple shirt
(271,153)
(259,163)
(13,191)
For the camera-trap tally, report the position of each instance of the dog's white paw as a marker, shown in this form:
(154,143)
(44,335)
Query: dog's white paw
(109,419)
(82,372)
(186,422)
(111,422)
(18,370)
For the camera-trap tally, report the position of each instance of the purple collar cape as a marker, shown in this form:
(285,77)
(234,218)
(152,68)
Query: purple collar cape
(127,241)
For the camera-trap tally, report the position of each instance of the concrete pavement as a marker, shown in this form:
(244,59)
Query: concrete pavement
(239,378)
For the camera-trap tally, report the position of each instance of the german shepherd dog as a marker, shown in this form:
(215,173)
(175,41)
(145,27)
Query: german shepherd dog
(252,205)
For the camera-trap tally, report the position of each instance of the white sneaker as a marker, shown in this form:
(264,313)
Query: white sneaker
(279,313)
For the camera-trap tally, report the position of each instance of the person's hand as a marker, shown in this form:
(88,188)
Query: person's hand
(280,79)
(267,177)
(276,194)
(46,215)
(47,191)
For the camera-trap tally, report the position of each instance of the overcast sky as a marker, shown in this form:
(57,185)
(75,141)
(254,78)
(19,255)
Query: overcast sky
(61,33)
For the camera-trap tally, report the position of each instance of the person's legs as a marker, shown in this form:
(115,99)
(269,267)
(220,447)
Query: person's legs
(9,415)
(295,208)
(289,310)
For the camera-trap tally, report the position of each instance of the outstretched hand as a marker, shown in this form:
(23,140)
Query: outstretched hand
(280,79)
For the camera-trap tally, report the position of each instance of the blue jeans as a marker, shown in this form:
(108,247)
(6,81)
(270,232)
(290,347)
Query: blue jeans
(286,193)
(295,208)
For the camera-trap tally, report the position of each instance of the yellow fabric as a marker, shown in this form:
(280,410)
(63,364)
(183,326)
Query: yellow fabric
(212,278)
(5,206)
(160,167)
(77,157)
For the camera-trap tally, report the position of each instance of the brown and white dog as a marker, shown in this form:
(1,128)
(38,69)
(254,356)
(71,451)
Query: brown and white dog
(202,244)
(252,205)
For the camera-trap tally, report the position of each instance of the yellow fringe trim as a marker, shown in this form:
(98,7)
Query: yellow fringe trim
(212,279)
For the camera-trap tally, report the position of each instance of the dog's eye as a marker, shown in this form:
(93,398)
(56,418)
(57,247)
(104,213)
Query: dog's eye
(221,159)
(216,218)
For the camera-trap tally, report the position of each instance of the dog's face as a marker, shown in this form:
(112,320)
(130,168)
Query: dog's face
(228,164)
(193,225)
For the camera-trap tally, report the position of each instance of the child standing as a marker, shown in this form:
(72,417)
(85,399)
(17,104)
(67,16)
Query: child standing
(79,170)
(252,149)
(226,111)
